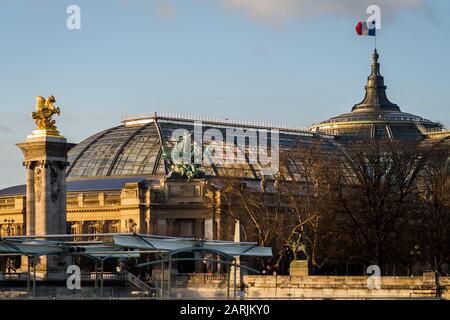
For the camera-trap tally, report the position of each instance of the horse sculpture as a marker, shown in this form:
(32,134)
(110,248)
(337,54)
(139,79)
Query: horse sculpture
(45,109)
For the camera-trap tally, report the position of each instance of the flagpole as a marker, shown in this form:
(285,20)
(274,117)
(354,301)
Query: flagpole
(375,40)
(375,26)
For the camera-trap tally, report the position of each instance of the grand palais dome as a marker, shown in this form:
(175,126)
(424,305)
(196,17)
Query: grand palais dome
(136,147)
(377,117)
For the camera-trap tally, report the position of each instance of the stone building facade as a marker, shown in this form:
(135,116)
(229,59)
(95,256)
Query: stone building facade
(125,205)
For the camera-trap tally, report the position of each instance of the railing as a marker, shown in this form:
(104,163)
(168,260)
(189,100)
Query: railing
(426,130)
(12,276)
(421,128)
(7,207)
(214,277)
(138,283)
(199,277)
(7,201)
(84,276)
(435,130)
(211,120)
(375,117)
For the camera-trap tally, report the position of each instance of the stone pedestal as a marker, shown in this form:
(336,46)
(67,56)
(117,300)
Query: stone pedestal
(45,162)
(430,278)
(298,268)
(234,270)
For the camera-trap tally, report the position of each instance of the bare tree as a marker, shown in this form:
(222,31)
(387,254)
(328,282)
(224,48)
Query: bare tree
(433,221)
(368,202)
(259,212)
(377,195)
(284,211)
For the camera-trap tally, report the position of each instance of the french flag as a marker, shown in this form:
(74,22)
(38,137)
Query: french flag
(366,28)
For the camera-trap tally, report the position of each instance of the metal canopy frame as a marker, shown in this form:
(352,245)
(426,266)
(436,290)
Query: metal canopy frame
(130,245)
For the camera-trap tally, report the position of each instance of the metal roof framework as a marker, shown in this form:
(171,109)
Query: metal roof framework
(120,244)
(101,247)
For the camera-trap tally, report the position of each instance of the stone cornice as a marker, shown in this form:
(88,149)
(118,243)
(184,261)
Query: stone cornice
(10,212)
(99,209)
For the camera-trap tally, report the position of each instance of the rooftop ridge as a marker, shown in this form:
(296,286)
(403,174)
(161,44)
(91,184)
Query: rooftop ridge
(142,118)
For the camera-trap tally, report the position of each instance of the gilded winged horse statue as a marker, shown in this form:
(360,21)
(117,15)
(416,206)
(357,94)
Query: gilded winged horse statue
(45,110)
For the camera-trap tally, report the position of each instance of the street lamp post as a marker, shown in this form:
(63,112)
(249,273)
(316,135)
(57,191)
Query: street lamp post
(415,255)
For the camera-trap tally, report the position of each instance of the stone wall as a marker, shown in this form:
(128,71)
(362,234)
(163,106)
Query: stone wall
(344,287)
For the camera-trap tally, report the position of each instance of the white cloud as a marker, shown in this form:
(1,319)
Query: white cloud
(279,11)
(165,10)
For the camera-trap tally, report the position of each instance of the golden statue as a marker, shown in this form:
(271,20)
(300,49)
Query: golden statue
(45,109)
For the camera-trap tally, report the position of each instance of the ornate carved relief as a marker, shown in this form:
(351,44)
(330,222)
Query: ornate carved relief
(96,227)
(114,226)
(75,227)
(12,229)
(38,183)
(54,184)
(131,225)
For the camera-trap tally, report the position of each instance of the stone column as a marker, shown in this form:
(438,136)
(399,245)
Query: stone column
(198,231)
(46,162)
(30,208)
(162,227)
(209,229)
(236,270)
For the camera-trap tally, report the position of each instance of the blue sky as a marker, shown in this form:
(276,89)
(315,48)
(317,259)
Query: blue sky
(288,61)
